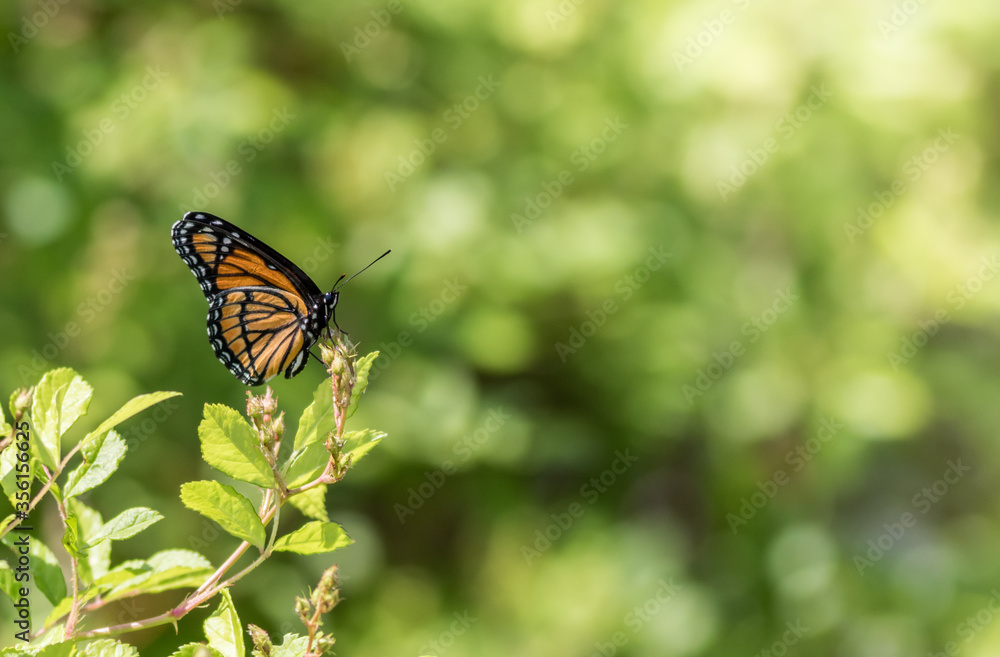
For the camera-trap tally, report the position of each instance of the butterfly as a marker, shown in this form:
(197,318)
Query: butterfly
(264,313)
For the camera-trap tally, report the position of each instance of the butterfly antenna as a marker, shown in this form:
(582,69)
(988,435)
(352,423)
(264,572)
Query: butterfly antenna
(339,284)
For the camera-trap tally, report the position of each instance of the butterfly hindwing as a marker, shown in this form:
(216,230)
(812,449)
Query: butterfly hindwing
(264,312)
(257,333)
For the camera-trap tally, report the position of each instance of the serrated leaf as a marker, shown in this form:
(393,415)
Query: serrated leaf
(230,445)
(362,367)
(314,538)
(312,503)
(306,465)
(98,558)
(60,399)
(131,407)
(46,574)
(224,505)
(56,649)
(196,650)
(223,629)
(126,525)
(359,443)
(102,456)
(164,571)
(292,645)
(109,648)
(317,420)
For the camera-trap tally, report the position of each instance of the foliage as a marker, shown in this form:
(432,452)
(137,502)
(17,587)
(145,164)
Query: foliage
(40,447)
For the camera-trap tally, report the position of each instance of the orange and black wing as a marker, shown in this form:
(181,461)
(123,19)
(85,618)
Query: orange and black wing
(223,256)
(258,333)
(262,315)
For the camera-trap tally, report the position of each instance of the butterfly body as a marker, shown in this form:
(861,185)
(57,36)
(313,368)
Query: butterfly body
(264,312)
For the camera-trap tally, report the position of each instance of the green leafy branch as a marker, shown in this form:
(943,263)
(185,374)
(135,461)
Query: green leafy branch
(321,453)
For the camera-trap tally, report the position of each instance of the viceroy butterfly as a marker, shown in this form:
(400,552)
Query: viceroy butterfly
(264,313)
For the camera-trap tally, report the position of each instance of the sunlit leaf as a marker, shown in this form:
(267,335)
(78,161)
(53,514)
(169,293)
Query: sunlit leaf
(230,445)
(102,456)
(313,538)
(60,399)
(312,503)
(224,505)
(223,629)
(125,525)
(130,408)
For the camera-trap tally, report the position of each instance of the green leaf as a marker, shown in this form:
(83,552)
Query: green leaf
(98,558)
(230,445)
(46,574)
(125,525)
(60,399)
(8,473)
(102,455)
(109,648)
(223,629)
(196,650)
(222,504)
(305,466)
(8,584)
(58,649)
(363,366)
(132,407)
(164,571)
(71,537)
(312,503)
(4,427)
(359,443)
(292,645)
(314,538)
(317,420)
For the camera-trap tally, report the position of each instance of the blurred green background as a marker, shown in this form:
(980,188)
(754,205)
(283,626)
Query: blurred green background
(689,331)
